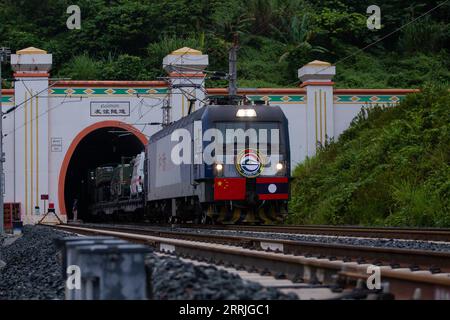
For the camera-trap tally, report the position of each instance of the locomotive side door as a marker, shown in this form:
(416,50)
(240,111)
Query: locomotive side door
(197,154)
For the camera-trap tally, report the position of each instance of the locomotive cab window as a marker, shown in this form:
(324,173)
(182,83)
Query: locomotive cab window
(265,137)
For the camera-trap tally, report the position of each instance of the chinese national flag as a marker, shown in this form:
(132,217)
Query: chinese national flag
(229,189)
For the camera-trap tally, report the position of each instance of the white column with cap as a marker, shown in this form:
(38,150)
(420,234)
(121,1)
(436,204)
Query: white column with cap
(316,78)
(185,68)
(31,126)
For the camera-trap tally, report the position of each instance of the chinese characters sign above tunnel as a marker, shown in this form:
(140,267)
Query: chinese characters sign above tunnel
(110,108)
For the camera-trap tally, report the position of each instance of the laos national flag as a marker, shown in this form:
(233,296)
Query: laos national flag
(229,188)
(272,188)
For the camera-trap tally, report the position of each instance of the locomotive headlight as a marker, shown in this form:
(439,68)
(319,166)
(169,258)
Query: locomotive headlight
(218,169)
(279,166)
(246,113)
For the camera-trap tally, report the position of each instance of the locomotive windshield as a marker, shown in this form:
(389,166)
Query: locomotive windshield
(266,137)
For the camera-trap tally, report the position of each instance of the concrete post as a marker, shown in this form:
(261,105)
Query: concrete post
(316,77)
(31,68)
(185,68)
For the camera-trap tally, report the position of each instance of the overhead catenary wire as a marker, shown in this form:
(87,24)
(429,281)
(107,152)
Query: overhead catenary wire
(140,102)
(32,119)
(184,77)
(186,94)
(391,33)
(150,108)
(28,99)
(199,86)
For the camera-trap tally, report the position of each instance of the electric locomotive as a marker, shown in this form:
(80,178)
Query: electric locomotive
(220,164)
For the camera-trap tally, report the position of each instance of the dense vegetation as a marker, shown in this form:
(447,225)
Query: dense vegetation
(391,167)
(127,39)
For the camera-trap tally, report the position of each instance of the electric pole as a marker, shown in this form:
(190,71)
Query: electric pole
(166,110)
(4,55)
(232,60)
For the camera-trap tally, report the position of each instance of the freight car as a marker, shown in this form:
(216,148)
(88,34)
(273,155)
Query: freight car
(220,164)
(118,189)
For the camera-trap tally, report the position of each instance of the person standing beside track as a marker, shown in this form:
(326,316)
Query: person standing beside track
(75,210)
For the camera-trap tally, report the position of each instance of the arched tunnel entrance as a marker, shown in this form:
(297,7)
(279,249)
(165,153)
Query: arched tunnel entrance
(98,145)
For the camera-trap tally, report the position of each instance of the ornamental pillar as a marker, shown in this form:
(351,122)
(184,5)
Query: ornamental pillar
(316,78)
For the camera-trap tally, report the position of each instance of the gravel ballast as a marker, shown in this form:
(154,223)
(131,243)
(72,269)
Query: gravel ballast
(33,271)
(173,279)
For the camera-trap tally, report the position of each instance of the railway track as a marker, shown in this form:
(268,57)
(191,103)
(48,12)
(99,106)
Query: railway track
(427,234)
(410,273)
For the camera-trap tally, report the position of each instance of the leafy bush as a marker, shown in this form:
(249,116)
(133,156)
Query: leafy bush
(82,67)
(391,167)
(424,36)
(125,67)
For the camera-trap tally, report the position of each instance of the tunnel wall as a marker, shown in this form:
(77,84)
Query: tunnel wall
(79,121)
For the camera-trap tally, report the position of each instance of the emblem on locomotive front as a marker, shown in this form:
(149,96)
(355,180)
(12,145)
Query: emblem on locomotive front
(249,163)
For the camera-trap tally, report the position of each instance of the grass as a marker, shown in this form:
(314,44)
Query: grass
(391,168)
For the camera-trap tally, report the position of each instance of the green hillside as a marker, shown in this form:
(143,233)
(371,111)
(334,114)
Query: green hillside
(127,39)
(391,167)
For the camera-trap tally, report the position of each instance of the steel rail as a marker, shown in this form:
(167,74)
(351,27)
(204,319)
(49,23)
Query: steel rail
(403,282)
(427,234)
